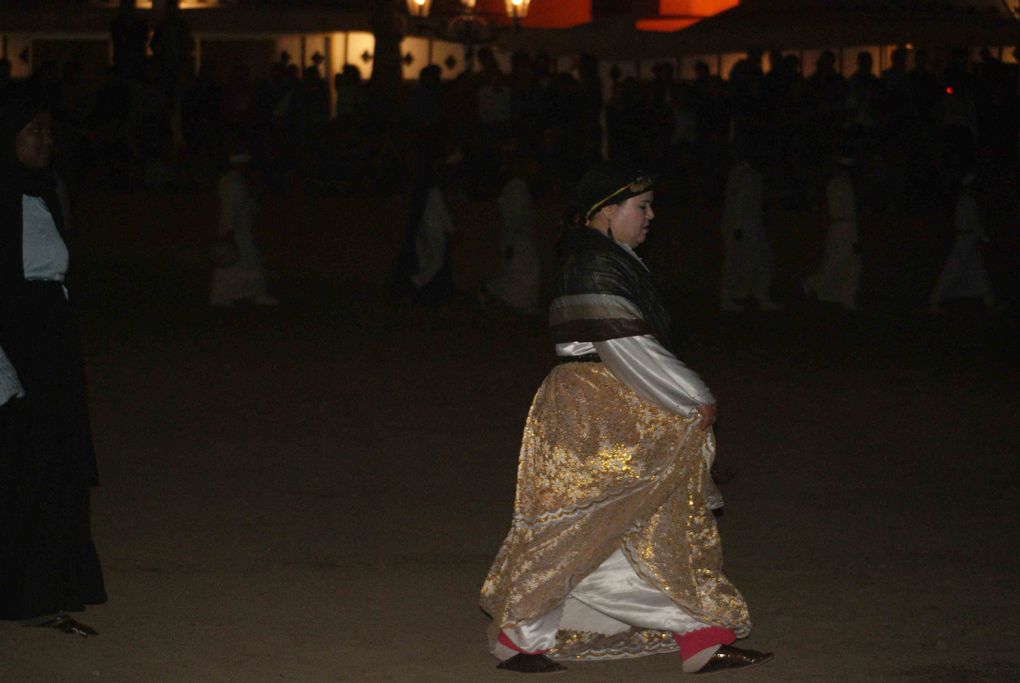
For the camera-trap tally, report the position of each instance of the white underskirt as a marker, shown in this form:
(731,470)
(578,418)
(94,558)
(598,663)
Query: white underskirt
(610,600)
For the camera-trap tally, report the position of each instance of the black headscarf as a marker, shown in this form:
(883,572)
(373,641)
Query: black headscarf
(19,108)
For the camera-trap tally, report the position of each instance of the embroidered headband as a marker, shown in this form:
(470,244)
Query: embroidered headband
(609,183)
(631,189)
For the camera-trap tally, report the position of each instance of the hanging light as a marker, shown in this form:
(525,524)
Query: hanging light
(419,8)
(469,5)
(517,9)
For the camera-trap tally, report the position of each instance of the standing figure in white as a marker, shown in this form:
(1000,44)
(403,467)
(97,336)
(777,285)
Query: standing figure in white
(964,274)
(518,279)
(748,264)
(839,276)
(246,277)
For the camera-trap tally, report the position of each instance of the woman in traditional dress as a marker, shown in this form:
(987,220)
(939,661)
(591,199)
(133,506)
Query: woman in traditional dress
(48,562)
(613,551)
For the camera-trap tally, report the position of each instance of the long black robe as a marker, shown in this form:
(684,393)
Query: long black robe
(48,562)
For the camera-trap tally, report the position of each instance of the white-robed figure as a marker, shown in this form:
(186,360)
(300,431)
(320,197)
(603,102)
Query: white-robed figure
(839,275)
(964,274)
(246,277)
(518,279)
(748,264)
(431,245)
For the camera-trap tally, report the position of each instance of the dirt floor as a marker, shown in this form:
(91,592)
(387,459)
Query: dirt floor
(314,493)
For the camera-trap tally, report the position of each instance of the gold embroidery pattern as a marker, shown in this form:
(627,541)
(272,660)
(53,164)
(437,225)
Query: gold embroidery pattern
(601,469)
(582,645)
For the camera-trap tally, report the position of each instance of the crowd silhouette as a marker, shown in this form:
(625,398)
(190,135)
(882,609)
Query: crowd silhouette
(151,121)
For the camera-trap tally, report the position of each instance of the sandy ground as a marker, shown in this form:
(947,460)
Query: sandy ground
(314,493)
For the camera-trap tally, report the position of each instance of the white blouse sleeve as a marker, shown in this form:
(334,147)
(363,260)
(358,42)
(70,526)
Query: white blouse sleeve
(655,374)
(9,384)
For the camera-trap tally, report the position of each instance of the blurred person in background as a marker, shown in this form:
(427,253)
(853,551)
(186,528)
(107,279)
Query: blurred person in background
(748,264)
(245,277)
(963,275)
(518,278)
(432,277)
(839,274)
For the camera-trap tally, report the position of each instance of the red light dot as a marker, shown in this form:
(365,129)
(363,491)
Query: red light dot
(949,90)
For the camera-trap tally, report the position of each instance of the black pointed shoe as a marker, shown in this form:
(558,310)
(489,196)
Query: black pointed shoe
(531,664)
(68,625)
(728,657)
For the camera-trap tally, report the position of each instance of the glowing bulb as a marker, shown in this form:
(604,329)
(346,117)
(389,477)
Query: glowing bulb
(517,9)
(419,8)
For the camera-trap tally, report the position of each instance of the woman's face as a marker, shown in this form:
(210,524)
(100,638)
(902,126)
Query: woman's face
(34,143)
(629,220)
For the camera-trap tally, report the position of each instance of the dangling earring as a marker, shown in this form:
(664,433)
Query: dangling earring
(609,227)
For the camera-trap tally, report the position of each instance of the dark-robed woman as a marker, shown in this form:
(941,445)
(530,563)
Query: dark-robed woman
(613,551)
(48,562)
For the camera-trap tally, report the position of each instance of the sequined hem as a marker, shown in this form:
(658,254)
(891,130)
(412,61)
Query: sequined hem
(587,646)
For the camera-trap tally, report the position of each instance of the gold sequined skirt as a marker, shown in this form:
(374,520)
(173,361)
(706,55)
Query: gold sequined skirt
(600,469)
